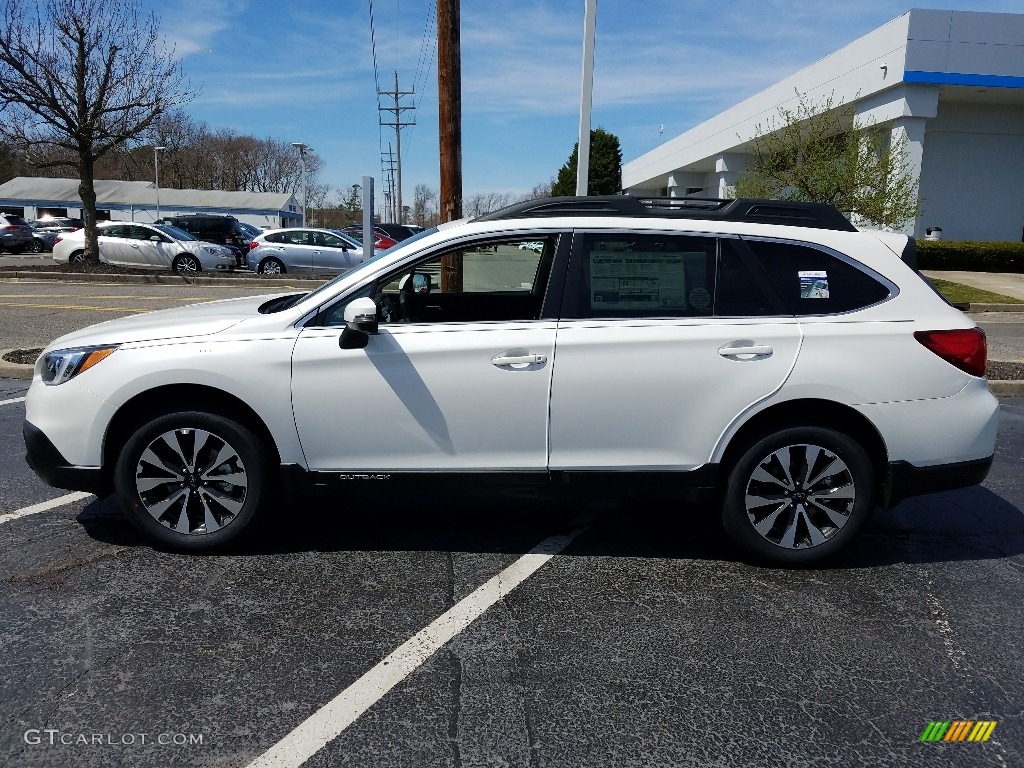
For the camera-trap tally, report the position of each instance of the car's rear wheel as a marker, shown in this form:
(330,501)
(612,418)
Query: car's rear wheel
(37,246)
(186,264)
(78,257)
(798,495)
(193,480)
(272,266)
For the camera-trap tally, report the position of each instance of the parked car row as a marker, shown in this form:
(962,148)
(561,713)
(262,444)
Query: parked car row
(163,246)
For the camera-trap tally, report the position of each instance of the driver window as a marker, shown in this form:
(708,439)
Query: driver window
(495,281)
(141,233)
(490,282)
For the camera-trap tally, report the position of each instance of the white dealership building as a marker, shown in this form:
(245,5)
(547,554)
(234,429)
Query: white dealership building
(950,82)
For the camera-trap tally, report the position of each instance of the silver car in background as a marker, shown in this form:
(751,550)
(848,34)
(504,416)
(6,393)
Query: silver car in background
(303,250)
(148,246)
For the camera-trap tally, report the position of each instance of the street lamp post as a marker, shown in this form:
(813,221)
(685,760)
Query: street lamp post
(156,169)
(302,165)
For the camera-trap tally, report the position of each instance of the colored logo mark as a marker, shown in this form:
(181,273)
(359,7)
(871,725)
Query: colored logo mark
(959,730)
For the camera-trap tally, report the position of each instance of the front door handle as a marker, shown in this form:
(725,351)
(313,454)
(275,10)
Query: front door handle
(748,349)
(518,357)
(133,245)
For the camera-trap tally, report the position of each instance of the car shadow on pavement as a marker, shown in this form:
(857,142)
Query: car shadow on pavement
(969,524)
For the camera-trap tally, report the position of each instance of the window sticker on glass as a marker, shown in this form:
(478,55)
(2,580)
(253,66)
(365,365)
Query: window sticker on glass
(628,279)
(813,284)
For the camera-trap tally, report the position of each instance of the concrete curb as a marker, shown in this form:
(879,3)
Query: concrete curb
(996,308)
(273,284)
(15,370)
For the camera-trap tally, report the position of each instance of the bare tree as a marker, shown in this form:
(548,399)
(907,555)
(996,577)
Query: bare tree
(479,204)
(425,212)
(81,79)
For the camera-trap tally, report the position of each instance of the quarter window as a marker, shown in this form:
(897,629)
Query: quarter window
(812,282)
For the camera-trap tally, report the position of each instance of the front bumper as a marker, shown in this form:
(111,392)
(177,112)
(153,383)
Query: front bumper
(53,469)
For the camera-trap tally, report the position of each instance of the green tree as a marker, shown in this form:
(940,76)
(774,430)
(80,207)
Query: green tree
(81,79)
(605,177)
(823,153)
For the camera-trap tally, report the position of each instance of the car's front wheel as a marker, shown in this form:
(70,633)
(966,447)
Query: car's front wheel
(193,480)
(798,495)
(186,264)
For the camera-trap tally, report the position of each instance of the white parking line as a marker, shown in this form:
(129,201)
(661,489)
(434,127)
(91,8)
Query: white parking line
(329,721)
(43,506)
(12,400)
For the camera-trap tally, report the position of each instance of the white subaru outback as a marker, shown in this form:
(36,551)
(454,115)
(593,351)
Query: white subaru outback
(765,359)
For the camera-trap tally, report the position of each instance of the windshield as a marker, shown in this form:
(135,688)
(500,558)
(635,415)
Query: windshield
(177,234)
(370,262)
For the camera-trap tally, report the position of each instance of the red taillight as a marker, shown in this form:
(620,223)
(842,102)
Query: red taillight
(253,245)
(57,239)
(966,348)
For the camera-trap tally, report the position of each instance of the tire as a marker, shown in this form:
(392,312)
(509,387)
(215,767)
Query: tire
(272,266)
(186,264)
(78,257)
(223,484)
(773,513)
(37,246)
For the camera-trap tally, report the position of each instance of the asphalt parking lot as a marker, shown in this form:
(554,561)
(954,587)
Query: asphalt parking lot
(511,631)
(645,641)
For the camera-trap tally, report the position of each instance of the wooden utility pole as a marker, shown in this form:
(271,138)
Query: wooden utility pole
(449,123)
(449,117)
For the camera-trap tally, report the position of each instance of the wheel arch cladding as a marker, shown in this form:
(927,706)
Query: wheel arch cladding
(810,413)
(176,398)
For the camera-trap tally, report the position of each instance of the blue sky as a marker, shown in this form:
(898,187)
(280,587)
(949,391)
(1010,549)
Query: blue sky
(303,71)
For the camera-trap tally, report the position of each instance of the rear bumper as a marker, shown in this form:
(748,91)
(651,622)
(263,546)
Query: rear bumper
(904,480)
(53,469)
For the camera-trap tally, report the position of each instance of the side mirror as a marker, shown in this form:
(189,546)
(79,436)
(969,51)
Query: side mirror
(360,323)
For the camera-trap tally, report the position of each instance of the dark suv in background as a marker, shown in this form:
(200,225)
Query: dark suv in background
(215,228)
(15,233)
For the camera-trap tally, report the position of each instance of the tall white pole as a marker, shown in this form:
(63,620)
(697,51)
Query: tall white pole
(302,169)
(156,169)
(586,97)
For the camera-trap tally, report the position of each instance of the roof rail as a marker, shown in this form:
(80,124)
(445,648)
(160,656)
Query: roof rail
(794,214)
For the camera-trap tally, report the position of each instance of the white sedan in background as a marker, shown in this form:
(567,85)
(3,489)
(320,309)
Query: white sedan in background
(147,246)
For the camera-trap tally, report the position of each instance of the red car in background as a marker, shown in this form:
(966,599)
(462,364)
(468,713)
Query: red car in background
(382,241)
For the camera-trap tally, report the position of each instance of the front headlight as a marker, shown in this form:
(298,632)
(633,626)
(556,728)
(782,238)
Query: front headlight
(64,364)
(211,249)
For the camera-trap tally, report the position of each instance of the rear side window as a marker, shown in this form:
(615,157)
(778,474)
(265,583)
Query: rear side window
(812,282)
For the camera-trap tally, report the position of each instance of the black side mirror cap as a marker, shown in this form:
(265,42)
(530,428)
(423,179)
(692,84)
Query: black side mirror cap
(353,339)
